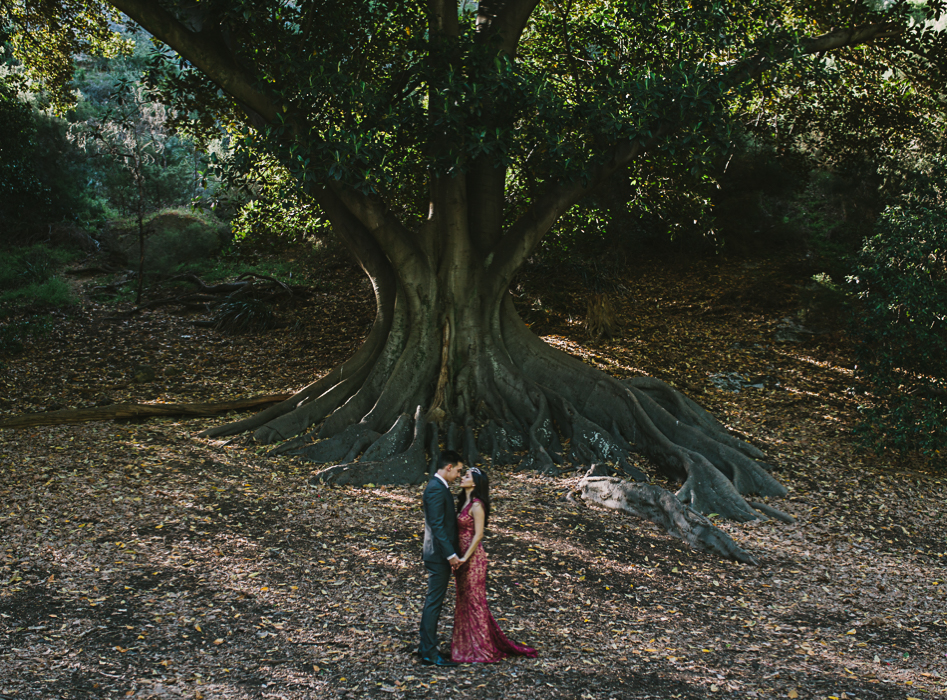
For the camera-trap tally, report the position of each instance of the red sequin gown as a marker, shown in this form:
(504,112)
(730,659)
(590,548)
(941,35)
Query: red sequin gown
(477,636)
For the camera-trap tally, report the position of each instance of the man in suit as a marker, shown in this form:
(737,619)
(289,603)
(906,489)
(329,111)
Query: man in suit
(440,551)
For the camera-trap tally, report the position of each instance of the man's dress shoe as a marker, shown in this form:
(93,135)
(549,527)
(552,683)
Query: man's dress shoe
(439,661)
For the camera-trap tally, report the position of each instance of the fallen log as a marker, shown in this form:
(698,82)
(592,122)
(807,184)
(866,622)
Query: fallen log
(136,410)
(218,293)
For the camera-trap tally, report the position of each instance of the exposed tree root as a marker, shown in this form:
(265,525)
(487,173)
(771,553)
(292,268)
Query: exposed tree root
(336,448)
(657,505)
(500,440)
(772,512)
(708,491)
(591,443)
(461,439)
(270,415)
(536,408)
(682,408)
(409,466)
(682,439)
(391,443)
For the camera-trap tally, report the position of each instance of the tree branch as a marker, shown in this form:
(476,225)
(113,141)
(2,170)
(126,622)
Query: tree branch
(522,237)
(390,234)
(503,22)
(212,58)
(206,54)
(354,236)
(753,67)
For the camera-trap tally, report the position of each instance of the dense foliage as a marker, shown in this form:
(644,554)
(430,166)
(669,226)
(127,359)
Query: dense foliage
(360,86)
(21,189)
(586,75)
(901,278)
(126,136)
(73,154)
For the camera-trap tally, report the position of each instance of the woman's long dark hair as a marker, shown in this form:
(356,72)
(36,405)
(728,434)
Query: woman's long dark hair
(481,491)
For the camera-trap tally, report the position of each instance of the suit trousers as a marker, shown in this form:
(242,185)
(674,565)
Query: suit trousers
(438,576)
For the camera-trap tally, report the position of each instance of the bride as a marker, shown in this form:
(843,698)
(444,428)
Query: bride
(477,636)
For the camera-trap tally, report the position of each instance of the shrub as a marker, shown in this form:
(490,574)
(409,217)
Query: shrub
(52,293)
(174,237)
(21,189)
(231,266)
(15,272)
(901,278)
(28,277)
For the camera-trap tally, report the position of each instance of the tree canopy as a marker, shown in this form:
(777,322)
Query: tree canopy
(444,140)
(348,92)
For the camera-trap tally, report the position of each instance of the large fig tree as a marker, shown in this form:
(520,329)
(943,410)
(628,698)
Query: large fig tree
(443,140)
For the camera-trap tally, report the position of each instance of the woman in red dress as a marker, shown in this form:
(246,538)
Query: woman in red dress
(477,636)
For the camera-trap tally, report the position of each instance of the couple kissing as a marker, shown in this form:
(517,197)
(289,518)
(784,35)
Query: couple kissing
(452,544)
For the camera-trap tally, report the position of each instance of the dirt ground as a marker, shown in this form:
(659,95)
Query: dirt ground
(140,560)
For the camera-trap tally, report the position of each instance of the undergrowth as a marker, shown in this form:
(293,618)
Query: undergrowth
(29,277)
(229,267)
(901,283)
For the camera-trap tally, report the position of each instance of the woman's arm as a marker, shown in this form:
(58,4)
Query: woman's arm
(476,510)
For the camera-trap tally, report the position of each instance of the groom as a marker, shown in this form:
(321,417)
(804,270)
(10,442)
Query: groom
(440,551)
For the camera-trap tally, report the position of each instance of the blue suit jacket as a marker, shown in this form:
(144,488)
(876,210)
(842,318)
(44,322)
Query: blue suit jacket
(440,522)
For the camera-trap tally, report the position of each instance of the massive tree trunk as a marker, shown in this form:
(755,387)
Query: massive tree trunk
(449,362)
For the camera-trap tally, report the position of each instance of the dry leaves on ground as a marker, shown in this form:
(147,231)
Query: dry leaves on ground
(141,561)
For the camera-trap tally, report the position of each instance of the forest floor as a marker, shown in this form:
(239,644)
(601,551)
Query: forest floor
(140,560)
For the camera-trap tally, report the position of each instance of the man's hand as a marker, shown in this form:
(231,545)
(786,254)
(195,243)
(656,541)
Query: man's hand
(454,563)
